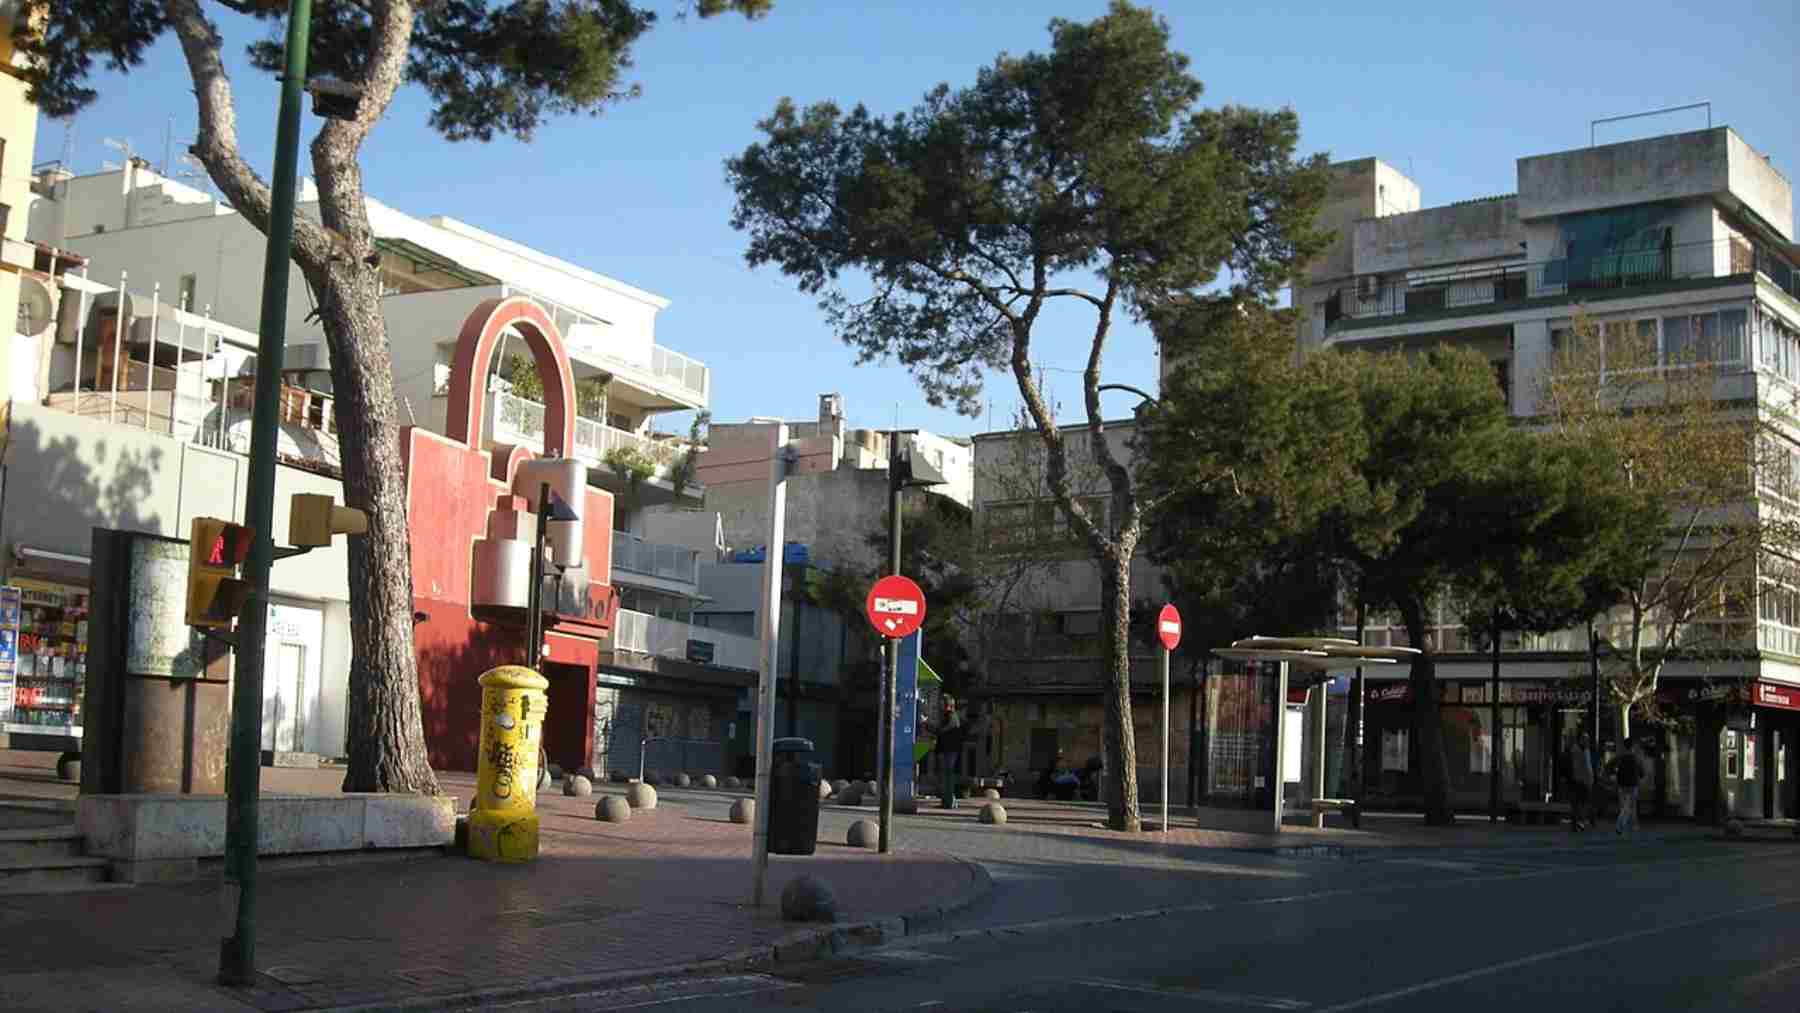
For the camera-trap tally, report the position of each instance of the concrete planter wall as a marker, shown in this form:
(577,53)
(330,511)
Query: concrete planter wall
(165,837)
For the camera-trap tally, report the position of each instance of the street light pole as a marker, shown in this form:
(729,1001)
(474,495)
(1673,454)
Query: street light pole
(237,953)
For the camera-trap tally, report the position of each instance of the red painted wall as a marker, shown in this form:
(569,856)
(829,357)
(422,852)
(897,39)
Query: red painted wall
(449,497)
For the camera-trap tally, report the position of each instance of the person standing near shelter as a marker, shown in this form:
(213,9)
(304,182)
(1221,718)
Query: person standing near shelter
(1628,770)
(1581,784)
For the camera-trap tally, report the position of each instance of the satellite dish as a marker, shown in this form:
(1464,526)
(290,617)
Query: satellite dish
(37,307)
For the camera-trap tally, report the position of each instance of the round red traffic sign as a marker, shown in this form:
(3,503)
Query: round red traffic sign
(895,607)
(1168,627)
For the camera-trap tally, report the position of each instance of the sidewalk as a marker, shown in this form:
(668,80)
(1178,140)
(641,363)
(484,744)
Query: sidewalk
(671,887)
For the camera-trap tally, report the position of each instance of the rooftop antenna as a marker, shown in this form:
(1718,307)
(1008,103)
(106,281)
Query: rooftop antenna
(123,147)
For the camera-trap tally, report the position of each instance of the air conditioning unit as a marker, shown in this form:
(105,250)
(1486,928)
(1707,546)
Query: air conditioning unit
(37,306)
(1366,287)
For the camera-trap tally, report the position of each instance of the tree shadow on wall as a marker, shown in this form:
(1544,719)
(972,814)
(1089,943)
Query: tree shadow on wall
(58,488)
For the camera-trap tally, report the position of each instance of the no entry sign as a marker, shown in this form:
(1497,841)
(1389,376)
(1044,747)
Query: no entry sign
(896,607)
(1168,627)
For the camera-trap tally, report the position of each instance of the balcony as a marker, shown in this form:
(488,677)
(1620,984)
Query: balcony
(665,380)
(638,633)
(520,422)
(663,562)
(1453,291)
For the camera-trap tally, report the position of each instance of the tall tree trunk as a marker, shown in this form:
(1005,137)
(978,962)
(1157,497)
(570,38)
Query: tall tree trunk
(1119,740)
(386,733)
(1428,725)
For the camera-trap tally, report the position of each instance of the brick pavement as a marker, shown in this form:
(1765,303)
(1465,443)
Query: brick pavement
(669,887)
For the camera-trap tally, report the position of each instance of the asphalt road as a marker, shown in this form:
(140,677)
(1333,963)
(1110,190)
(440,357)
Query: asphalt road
(1646,927)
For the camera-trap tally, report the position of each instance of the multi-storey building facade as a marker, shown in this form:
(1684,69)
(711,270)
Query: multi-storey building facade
(1682,243)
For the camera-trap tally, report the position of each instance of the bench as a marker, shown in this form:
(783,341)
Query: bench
(1321,806)
(1537,812)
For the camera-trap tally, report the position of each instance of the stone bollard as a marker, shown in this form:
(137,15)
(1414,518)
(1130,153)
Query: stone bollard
(1734,828)
(708,781)
(852,795)
(620,777)
(808,899)
(991,794)
(824,789)
(587,772)
(743,811)
(839,786)
(734,783)
(577,786)
(504,828)
(641,796)
(864,834)
(993,813)
(612,809)
(683,781)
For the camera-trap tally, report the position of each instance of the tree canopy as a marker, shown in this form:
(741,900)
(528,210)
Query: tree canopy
(489,68)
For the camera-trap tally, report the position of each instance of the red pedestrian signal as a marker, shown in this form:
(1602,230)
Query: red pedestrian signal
(216,549)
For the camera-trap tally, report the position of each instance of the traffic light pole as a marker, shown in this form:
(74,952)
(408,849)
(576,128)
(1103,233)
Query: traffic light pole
(237,953)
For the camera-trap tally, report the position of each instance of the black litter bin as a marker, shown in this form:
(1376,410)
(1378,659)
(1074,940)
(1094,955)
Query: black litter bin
(793,798)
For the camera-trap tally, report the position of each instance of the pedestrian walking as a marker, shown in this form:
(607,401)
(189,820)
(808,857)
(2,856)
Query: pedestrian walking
(1581,784)
(1628,770)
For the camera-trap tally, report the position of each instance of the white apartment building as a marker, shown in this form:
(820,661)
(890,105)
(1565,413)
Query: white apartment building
(182,248)
(1684,241)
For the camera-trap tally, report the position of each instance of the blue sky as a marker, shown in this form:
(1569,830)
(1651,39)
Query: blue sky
(1451,93)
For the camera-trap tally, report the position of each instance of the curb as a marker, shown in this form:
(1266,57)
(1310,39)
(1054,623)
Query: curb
(797,947)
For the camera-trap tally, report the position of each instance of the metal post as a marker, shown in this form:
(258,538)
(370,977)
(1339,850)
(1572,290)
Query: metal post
(1359,704)
(180,354)
(1494,729)
(1280,792)
(237,954)
(120,321)
(534,596)
(891,681)
(1162,664)
(80,325)
(150,367)
(1593,699)
(770,654)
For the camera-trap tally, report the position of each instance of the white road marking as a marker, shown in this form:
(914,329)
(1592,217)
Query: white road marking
(1198,994)
(1563,951)
(1433,863)
(911,956)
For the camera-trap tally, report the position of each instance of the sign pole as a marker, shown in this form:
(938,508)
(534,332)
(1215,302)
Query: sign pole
(1168,632)
(896,608)
(771,643)
(1162,661)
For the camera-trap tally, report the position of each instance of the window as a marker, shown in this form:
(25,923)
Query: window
(1715,337)
(186,291)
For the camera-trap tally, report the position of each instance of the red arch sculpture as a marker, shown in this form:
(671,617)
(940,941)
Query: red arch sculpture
(474,356)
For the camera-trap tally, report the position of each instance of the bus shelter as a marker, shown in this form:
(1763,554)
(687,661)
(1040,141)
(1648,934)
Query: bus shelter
(1302,664)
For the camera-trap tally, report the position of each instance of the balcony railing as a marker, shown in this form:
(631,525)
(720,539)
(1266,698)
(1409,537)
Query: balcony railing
(642,633)
(1429,291)
(666,365)
(655,559)
(518,420)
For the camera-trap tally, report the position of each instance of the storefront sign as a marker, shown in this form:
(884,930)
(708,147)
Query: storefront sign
(9,649)
(1769,694)
(1397,692)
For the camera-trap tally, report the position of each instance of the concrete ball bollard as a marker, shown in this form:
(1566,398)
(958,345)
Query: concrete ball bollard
(743,811)
(991,794)
(620,777)
(839,786)
(851,796)
(641,796)
(653,777)
(612,809)
(824,789)
(734,783)
(576,786)
(683,781)
(993,813)
(1734,828)
(808,899)
(863,834)
(708,781)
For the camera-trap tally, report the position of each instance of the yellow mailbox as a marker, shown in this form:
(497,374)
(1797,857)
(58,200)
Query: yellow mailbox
(504,824)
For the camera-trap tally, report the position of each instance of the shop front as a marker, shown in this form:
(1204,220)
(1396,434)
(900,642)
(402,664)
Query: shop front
(1536,722)
(1742,749)
(43,660)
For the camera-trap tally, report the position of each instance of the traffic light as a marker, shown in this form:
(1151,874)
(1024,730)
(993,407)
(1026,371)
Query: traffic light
(216,549)
(313,519)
